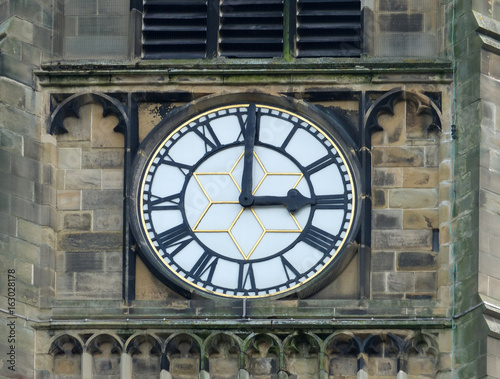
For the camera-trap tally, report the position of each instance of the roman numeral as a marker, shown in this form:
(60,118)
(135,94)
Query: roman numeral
(331,201)
(289,269)
(246,277)
(320,164)
(206,264)
(185,168)
(178,236)
(319,239)
(171,202)
(289,137)
(208,136)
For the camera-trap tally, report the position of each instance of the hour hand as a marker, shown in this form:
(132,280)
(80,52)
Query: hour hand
(246,197)
(293,201)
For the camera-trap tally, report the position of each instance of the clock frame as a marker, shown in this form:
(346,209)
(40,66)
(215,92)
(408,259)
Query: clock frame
(189,256)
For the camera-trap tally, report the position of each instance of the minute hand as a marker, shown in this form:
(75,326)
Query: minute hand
(293,201)
(246,198)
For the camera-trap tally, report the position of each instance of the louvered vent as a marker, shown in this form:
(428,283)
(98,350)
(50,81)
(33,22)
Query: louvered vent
(251,28)
(174,29)
(328,28)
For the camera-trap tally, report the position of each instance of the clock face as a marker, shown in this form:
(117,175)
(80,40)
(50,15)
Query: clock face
(244,201)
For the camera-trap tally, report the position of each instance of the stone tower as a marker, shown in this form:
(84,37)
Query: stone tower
(401,95)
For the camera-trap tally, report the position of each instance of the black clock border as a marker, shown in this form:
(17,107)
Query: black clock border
(335,132)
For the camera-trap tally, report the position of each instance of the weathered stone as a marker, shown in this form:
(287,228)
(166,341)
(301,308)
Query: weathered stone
(95,284)
(413,198)
(415,261)
(108,220)
(83,179)
(68,200)
(387,177)
(398,156)
(103,158)
(383,261)
(402,239)
(387,219)
(379,198)
(89,241)
(70,158)
(112,179)
(420,219)
(108,199)
(84,261)
(77,221)
(420,177)
(400,282)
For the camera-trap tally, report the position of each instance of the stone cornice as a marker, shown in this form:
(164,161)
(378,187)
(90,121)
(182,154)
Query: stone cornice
(222,71)
(489,32)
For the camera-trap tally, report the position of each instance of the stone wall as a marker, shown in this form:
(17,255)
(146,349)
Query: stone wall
(27,187)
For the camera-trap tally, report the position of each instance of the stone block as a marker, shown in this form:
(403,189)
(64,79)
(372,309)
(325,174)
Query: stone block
(45,195)
(68,200)
(108,220)
(36,233)
(21,187)
(88,241)
(421,219)
(83,179)
(112,179)
(77,221)
(11,142)
(413,198)
(95,284)
(393,5)
(383,261)
(27,168)
(420,177)
(401,22)
(69,158)
(400,282)
(16,70)
(415,261)
(113,261)
(432,156)
(13,93)
(402,239)
(109,199)
(379,198)
(387,177)
(84,261)
(387,219)
(103,158)
(398,156)
(379,282)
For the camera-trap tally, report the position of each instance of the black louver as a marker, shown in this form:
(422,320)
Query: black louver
(174,29)
(328,28)
(252,28)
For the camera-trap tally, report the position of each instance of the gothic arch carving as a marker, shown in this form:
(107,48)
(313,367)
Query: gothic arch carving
(66,352)
(145,351)
(303,355)
(423,104)
(342,350)
(421,354)
(70,107)
(223,353)
(183,354)
(263,354)
(105,350)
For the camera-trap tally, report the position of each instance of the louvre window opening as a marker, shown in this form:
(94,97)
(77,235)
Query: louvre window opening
(184,29)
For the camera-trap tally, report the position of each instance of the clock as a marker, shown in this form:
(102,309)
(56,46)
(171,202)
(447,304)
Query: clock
(245,197)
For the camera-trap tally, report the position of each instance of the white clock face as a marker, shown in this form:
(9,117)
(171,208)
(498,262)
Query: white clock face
(245,200)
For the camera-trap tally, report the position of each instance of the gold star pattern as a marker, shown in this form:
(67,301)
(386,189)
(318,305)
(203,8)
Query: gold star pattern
(238,229)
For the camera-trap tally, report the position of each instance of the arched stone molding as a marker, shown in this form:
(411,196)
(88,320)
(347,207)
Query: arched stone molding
(421,354)
(303,355)
(385,105)
(70,107)
(380,355)
(182,354)
(223,354)
(342,351)
(144,351)
(263,355)
(66,351)
(103,353)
